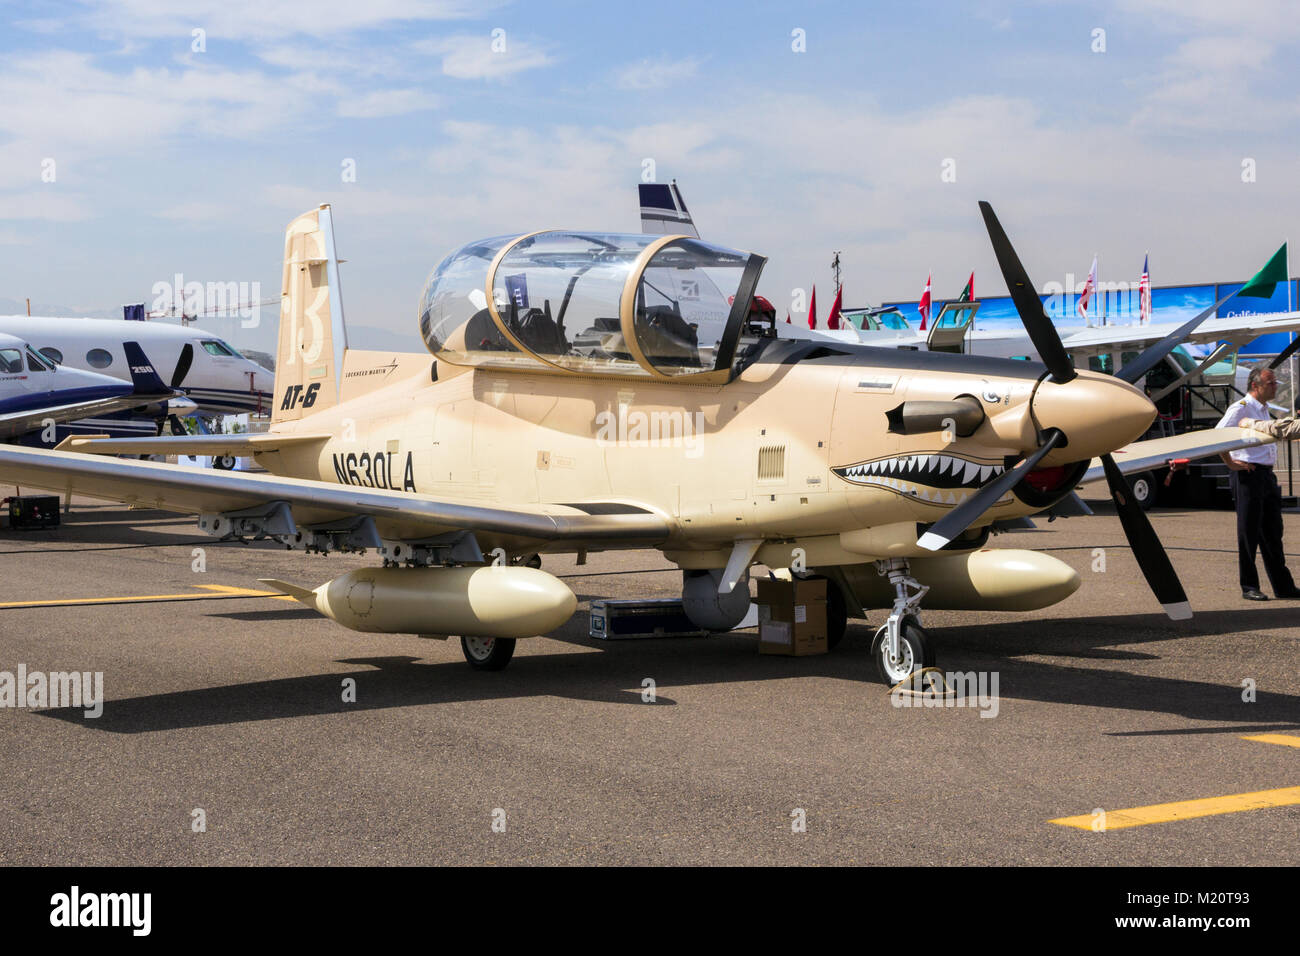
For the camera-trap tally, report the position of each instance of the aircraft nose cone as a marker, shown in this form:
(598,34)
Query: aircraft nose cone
(1098,413)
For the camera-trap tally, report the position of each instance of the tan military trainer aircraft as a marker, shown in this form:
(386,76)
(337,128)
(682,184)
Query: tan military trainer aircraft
(592,391)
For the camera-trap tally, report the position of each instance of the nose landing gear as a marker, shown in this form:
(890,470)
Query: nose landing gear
(901,647)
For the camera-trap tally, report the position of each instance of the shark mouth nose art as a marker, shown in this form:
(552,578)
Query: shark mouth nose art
(934,477)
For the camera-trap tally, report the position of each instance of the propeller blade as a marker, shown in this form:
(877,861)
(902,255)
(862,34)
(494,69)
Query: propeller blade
(1040,328)
(1150,553)
(1154,354)
(183,365)
(969,511)
(1286,353)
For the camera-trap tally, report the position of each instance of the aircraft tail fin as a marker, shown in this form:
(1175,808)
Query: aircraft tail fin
(143,375)
(309,359)
(664,212)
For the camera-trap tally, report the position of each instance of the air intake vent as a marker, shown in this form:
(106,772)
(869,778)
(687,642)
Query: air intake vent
(771,463)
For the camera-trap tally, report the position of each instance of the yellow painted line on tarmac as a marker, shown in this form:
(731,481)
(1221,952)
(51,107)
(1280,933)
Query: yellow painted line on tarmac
(1187,809)
(211,592)
(1286,740)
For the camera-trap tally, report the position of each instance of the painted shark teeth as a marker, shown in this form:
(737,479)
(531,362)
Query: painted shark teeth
(933,476)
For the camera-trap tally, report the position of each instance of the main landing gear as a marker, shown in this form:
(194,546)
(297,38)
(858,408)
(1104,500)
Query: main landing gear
(488,653)
(900,647)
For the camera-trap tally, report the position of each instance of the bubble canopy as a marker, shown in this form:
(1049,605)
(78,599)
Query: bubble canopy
(664,307)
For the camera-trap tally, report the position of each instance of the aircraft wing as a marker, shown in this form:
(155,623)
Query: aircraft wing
(240,446)
(397,515)
(20,423)
(1237,329)
(1156,452)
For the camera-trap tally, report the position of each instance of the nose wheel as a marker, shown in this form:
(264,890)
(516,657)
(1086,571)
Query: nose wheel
(488,653)
(900,647)
(913,653)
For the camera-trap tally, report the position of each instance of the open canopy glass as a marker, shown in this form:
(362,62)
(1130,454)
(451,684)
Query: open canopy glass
(591,303)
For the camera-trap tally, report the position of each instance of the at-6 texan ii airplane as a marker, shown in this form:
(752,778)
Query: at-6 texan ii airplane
(596,391)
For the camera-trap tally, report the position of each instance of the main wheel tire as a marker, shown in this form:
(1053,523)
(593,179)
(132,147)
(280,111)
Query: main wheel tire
(488,653)
(913,648)
(1144,489)
(224,462)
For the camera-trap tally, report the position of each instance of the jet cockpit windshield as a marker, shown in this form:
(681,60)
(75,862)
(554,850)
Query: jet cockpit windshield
(591,303)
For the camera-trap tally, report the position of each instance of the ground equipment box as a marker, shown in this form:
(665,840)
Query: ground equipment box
(30,512)
(621,620)
(792,617)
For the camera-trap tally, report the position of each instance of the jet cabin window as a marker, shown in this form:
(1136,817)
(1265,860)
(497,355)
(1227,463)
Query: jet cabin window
(53,354)
(219,349)
(99,358)
(11,361)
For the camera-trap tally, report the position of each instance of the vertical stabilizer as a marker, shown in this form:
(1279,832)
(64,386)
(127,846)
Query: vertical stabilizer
(309,358)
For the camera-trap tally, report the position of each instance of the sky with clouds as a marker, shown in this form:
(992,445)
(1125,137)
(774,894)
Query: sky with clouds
(169,159)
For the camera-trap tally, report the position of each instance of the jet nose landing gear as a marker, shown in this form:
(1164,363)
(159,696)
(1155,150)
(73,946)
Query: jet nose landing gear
(901,647)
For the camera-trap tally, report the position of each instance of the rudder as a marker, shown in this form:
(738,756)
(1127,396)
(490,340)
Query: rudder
(309,357)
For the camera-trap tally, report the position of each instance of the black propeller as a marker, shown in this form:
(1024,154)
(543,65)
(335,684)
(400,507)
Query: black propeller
(1286,353)
(1148,550)
(969,511)
(1040,328)
(1152,355)
(183,365)
(1146,547)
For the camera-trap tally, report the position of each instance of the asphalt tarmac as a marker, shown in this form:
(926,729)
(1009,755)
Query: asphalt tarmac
(225,737)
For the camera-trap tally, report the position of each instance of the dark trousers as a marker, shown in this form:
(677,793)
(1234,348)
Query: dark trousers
(1259,528)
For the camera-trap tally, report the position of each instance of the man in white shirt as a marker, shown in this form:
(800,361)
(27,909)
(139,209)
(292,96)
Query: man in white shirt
(1259,499)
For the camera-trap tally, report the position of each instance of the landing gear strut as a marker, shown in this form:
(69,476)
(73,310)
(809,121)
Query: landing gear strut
(488,653)
(900,647)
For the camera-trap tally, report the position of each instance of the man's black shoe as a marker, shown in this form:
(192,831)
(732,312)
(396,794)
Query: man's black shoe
(1254,594)
(1292,595)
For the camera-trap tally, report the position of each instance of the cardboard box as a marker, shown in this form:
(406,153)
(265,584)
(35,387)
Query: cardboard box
(792,617)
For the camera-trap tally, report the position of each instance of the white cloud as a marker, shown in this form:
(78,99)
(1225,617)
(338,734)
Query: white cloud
(387,103)
(473,57)
(656,74)
(259,20)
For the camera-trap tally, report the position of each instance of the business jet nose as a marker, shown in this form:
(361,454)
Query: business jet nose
(1098,413)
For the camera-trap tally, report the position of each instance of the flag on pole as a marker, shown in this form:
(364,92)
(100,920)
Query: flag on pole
(924,305)
(787,318)
(1088,289)
(1144,291)
(1264,282)
(812,309)
(968,293)
(833,320)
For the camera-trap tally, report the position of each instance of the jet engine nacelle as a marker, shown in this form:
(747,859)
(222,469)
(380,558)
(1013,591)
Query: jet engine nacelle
(508,602)
(706,607)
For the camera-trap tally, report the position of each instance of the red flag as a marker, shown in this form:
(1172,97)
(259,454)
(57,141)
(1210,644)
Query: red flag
(787,318)
(1089,288)
(924,305)
(833,320)
(812,309)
